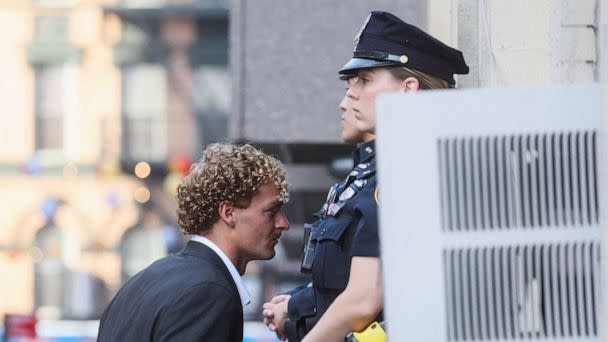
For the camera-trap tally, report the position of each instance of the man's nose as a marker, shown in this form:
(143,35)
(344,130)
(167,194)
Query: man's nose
(281,221)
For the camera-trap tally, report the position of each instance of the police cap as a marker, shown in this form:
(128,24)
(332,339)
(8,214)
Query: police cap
(385,40)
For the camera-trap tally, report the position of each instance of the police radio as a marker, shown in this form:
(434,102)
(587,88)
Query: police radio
(308,253)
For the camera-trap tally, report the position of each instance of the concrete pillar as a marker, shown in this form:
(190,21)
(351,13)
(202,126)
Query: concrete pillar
(550,42)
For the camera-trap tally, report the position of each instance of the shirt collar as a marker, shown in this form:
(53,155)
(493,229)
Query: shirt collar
(243,292)
(365,152)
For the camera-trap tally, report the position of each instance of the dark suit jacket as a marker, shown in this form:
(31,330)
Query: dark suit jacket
(189,296)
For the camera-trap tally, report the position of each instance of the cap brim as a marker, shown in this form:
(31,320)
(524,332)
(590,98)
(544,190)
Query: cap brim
(362,63)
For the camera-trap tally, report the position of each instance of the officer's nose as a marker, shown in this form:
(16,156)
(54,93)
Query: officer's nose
(352,92)
(280,221)
(343,104)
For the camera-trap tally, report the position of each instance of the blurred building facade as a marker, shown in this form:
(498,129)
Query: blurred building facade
(105,105)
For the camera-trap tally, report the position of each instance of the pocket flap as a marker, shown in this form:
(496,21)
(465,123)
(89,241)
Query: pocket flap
(332,228)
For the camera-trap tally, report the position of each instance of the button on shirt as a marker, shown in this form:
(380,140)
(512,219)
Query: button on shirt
(243,292)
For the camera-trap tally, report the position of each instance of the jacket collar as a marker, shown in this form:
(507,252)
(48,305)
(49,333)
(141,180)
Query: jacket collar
(199,250)
(234,273)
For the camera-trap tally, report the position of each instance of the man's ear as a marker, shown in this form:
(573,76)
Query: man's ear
(410,84)
(227,213)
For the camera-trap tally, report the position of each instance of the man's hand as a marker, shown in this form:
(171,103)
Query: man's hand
(275,314)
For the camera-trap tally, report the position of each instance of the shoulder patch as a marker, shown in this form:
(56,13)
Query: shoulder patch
(377,195)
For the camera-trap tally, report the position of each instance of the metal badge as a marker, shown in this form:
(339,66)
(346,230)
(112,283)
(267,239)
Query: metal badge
(360,183)
(346,194)
(377,195)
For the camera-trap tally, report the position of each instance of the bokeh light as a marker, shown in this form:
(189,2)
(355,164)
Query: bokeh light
(142,170)
(141,194)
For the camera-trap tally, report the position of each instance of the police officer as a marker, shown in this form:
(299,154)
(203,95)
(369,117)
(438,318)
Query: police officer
(346,290)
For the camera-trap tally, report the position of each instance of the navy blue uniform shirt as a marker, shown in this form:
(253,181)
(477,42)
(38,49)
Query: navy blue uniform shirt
(347,226)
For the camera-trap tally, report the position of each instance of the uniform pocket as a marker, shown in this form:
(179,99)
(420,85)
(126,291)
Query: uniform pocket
(331,228)
(331,265)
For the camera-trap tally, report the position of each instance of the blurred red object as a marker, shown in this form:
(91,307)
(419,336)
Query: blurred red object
(180,164)
(16,325)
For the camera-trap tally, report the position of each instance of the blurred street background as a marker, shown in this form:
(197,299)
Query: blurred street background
(106,103)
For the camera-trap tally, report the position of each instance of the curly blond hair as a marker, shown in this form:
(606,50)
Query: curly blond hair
(226,173)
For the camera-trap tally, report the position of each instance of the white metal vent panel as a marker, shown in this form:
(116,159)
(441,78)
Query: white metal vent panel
(489,222)
(530,181)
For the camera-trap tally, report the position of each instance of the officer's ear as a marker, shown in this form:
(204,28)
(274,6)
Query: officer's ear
(227,213)
(410,84)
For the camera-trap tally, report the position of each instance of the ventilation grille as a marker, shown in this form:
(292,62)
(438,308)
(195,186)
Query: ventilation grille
(538,291)
(520,255)
(525,181)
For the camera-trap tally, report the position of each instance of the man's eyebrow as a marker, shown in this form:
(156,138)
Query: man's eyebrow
(275,205)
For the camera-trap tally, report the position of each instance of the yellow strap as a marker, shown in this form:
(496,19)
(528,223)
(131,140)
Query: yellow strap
(373,333)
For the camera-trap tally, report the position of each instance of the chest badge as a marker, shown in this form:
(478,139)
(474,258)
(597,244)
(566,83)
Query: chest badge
(377,195)
(346,194)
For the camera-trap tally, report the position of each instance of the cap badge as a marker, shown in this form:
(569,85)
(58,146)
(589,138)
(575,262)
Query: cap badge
(362,28)
(403,59)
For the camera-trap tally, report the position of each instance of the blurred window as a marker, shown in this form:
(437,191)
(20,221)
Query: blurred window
(49,270)
(212,96)
(212,87)
(55,94)
(144,102)
(144,243)
(51,28)
(132,34)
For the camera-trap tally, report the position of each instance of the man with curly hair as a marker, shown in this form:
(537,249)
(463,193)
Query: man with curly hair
(231,204)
